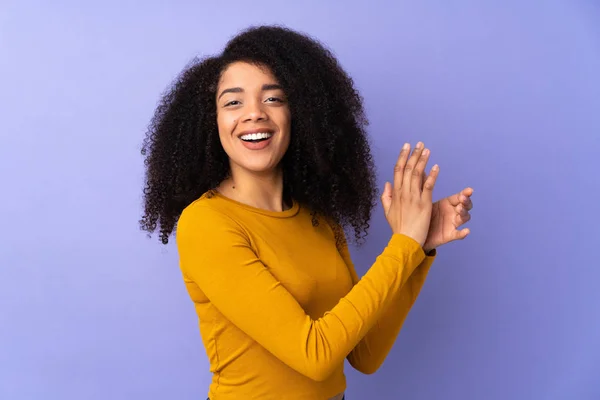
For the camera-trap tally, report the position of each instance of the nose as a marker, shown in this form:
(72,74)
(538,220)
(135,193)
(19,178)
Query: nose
(255,112)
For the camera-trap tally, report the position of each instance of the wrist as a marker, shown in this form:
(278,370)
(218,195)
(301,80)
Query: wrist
(429,250)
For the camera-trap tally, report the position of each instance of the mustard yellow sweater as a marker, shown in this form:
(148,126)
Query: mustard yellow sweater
(280,306)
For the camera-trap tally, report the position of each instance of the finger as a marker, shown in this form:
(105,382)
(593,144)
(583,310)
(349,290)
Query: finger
(454,199)
(386,197)
(423,179)
(430,183)
(400,165)
(460,220)
(417,176)
(465,199)
(461,210)
(462,215)
(461,197)
(461,234)
(467,191)
(410,168)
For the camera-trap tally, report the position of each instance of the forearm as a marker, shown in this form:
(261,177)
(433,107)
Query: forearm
(372,350)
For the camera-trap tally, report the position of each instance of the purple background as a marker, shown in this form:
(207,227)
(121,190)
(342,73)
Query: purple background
(506,93)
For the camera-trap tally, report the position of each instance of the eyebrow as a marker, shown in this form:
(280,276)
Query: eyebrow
(265,88)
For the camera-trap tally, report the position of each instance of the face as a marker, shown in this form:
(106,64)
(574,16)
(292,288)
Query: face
(253,118)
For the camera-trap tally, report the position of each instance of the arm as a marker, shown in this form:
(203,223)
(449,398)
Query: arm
(215,253)
(372,350)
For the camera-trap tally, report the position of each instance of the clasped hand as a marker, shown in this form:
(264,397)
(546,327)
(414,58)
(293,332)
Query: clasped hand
(408,205)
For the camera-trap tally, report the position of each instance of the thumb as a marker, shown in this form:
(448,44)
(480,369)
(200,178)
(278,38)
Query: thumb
(386,197)
(461,234)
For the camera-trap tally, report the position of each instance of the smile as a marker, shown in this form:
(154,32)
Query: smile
(256,137)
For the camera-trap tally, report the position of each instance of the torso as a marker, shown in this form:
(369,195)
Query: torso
(311,269)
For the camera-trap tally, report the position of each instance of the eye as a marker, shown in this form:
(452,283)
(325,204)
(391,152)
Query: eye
(232,103)
(275,99)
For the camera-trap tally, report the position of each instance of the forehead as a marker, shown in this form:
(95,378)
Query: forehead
(243,74)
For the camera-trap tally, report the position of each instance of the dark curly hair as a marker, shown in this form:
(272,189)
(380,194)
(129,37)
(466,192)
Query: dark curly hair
(328,166)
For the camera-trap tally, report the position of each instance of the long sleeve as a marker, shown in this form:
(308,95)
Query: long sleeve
(371,351)
(216,254)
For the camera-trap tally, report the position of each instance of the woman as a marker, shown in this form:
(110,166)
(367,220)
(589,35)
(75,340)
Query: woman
(260,158)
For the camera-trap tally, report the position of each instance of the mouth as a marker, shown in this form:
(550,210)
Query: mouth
(256,136)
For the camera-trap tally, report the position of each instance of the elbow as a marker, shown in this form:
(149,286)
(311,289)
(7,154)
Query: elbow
(322,373)
(366,368)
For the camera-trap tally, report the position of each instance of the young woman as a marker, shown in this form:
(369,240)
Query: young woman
(259,158)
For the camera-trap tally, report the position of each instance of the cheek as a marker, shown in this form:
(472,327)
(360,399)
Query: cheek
(225,136)
(285,121)
(225,125)
(222,122)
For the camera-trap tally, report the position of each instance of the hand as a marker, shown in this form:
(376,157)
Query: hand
(447,215)
(408,205)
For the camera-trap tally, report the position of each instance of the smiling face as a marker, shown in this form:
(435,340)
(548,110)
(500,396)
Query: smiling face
(253,118)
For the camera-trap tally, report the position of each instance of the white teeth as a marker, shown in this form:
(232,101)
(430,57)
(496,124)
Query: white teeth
(256,136)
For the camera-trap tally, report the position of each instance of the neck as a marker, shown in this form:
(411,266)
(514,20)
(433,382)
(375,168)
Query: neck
(260,190)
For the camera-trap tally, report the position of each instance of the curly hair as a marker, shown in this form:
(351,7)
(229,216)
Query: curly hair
(328,166)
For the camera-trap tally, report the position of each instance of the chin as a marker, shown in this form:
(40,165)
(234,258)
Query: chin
(258,167)
(261,169)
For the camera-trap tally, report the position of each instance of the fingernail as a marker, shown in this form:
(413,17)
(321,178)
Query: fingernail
(405,147)
(425,152)
(419,145)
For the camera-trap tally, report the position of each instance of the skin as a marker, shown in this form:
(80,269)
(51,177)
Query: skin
(407,205)
(248,98)
(447,214)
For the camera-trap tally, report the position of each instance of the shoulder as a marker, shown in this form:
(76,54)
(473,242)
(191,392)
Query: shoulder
(206,216)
